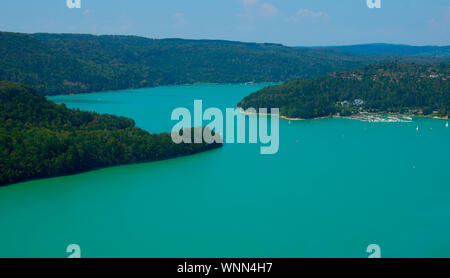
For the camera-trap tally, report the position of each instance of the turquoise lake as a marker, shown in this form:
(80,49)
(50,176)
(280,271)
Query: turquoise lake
(334,187)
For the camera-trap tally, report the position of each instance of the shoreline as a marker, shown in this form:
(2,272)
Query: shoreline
(168,85)
(242,111)
(257,113)
(20,182)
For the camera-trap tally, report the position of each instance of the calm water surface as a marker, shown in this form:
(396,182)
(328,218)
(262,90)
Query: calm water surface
(335,186)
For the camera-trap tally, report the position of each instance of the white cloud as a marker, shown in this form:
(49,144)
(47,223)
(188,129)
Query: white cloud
(252,12)
(253,7)
(269,9)
(178,20)
(305,13)
(249,2)
(87,12)
(441,22)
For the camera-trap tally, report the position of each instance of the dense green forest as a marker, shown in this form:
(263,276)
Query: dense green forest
(399,49)
(61,64)
(396,87)
(41,139)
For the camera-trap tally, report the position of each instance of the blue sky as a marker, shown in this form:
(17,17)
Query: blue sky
(290,22)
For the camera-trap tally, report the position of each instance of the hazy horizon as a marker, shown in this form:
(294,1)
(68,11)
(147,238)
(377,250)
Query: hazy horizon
(206,39)
(292,23)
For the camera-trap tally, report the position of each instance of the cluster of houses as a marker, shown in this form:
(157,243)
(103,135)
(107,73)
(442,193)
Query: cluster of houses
(356,102)
(435,75)
(374,77)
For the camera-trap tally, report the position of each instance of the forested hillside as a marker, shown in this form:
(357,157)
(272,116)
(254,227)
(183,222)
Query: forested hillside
(61,64)
(383,48)
(41,139)
(416,89)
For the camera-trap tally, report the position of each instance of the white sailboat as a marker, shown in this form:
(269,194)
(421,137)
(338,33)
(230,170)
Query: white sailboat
(417,128)
(446,125)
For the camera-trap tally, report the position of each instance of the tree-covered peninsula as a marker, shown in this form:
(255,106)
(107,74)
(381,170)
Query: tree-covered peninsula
(389,87)
(40,139)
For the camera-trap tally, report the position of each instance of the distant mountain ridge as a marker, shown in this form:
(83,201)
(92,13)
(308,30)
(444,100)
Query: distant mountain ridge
(70,63)
(76,63)
(394,49)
